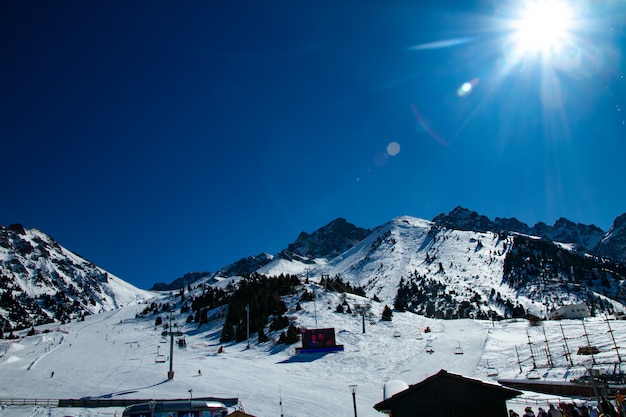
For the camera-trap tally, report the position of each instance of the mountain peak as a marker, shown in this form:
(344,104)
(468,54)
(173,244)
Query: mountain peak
(463,219)
(17,228)
(328,241)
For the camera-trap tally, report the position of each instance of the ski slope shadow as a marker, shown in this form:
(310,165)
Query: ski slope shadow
(305,357)
(125,392)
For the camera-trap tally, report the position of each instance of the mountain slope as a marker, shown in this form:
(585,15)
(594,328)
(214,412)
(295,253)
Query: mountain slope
(112,355)
(41,281)
(449,270)
(613,244)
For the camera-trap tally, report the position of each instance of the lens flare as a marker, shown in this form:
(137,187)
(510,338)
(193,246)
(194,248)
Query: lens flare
(466,88)
(393,148)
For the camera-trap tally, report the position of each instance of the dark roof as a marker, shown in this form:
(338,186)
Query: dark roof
(239,413)
(504,392)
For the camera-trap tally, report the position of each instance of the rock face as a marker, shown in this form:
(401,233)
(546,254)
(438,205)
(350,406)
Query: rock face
(463,219)
(589,238)
(613,244)
(245,266)
(327,242)
(40,281)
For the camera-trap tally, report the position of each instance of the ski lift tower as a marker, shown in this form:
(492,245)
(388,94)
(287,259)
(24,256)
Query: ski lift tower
(170,373)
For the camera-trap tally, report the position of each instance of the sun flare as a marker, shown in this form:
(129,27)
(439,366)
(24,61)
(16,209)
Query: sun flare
(542,26)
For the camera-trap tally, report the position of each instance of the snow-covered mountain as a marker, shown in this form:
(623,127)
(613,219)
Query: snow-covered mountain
(613,244)
(586,237)
(462,264)
(41,281)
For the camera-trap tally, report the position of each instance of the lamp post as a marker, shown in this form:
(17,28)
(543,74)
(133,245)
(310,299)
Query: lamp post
(353,390)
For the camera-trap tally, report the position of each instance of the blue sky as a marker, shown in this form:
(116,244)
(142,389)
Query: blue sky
(159,138)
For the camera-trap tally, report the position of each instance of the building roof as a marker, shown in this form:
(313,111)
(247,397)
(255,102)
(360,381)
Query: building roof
(239,413)
(503,392)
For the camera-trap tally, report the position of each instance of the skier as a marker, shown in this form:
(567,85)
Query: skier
(199,372)
(528,412)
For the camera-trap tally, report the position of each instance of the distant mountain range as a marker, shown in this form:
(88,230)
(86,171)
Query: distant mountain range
(460,264)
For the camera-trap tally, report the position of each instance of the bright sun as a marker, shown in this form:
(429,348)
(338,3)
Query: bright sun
(542,26)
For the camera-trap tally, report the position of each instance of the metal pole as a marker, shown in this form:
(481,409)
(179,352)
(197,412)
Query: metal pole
(315,306)
(593,384)
(519,362)
(568,354)
(363,320)
(619,358)
(248,326)
(530,346)
(353,389)
(593,358)
(170,374)
(545,338)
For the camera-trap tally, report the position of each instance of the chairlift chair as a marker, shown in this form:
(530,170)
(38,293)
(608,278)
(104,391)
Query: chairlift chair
(491,371)
(458,350)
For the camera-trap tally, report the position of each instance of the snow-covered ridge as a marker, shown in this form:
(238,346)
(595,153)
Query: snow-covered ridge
(42,281)
(501,273)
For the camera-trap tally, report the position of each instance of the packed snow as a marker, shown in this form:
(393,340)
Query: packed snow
(112,355)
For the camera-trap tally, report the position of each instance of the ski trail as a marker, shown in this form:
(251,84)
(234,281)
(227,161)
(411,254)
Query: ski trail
(34,362)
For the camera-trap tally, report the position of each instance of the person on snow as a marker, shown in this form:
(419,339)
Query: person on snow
(554,412)
(513,414)
(542,413)
(528,412)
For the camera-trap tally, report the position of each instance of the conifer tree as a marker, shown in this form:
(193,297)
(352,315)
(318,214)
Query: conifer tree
(228,333)
(387,313)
